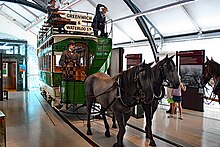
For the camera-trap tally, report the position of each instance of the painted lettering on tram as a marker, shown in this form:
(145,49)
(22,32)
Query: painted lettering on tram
(74,28)
(79,16)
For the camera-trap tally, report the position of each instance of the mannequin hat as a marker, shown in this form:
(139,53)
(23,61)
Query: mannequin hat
(71,42)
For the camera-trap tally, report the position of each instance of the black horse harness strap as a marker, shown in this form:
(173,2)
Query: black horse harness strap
(163,77)
(115,84)
(118,96)
(162,93)
(139,94)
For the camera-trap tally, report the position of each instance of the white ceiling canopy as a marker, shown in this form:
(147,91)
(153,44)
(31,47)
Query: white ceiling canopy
(171,18)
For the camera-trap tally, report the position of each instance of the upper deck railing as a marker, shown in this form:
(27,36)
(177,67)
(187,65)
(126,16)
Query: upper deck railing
(66,22)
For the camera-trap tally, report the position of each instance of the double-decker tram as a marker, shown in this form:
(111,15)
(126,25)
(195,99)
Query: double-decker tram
(66,84)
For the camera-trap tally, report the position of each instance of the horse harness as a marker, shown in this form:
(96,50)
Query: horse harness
(163,77)
(138,94)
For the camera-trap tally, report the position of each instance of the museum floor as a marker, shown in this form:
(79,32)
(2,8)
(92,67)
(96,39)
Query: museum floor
(32,122)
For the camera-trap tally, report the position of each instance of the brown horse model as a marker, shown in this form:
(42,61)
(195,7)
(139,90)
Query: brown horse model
(120,94)
(211,70)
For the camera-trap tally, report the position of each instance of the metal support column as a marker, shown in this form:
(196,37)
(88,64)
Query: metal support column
(142,24)
(27,3)
(1,78)
(25,73)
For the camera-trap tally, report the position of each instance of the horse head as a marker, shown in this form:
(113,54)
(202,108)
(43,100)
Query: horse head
(145,81)
(168,71)
(206,76)
(211,70)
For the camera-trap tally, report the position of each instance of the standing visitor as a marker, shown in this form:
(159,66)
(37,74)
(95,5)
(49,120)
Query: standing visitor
(177,98)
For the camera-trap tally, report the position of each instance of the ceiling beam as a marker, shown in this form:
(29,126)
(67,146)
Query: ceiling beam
(27,3)
(12,20)
(175,38)
(28,10)
(145,17)
(157,9)
(41,3)
(35,22)
(17,13)
(191,19)
(143,26)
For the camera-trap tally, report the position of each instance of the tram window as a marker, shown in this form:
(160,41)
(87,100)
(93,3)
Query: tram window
(57,59)
(49,61)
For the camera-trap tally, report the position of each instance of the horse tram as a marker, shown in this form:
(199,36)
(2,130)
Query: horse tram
(57,84)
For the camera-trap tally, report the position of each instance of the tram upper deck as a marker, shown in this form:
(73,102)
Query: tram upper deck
(65,24)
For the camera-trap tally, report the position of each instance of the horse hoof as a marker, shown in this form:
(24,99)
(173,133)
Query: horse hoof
(152,143)
(117,145)
(89,132)
(107,134)
(114,126)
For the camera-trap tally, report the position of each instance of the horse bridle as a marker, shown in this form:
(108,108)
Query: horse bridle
(162,75)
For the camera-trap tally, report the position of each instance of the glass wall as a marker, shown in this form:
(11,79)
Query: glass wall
(33,75)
